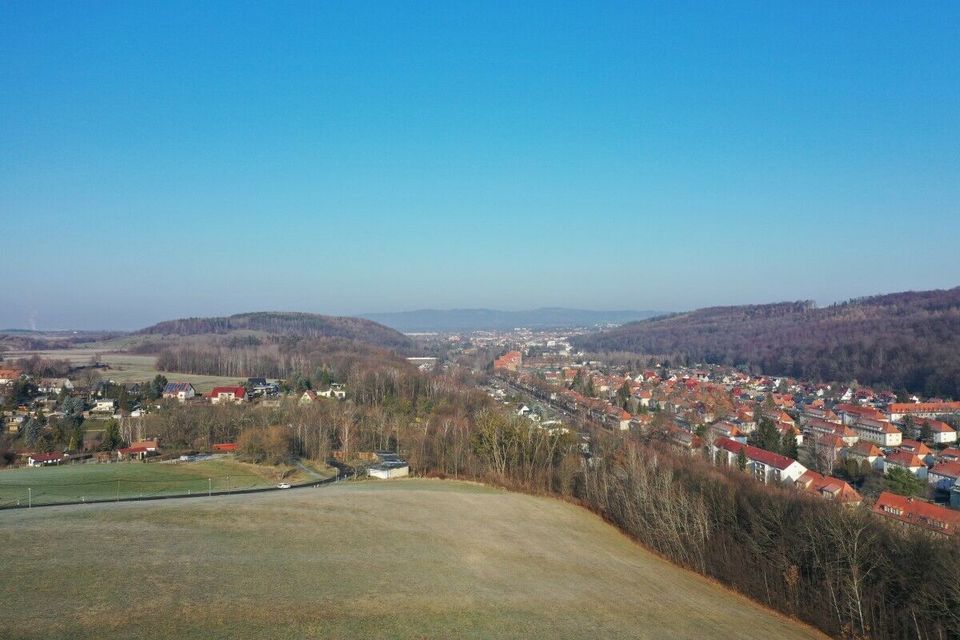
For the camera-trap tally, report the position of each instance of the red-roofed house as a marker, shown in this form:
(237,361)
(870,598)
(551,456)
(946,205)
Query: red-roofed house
(865,451)
(44,459)
(917,512)
(898,410)
(227,394)
(766,466)
(509,361)
(906,461)
(940,432)
(918,449)
(139,450)
(828,488)
(944,475)
(879,431)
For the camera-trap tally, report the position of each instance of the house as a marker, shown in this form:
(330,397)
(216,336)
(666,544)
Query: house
(45,459)
(227,394)
(918,449)
(907,461)
(728,430)
(9,375)
(104,405)
(850,413)
(335,390)
(949,455)
(182,391)
(644,396)
(865,451)
(308,397)
(940,432)
(54,385)
(820,427)
(828,488)
(139,450)
(918,513)
(828,448)
(509,361)
(766,466)
(879,431)
(944,476)
(899,410)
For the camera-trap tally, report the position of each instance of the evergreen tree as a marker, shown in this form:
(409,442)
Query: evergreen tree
(742,459)
(788,445)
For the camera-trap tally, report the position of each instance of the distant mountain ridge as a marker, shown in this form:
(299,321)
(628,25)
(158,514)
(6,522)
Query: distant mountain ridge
(908,340)
(309,325)
(493,319)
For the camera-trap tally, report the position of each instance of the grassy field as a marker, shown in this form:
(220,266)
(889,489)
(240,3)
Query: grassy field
(398,559)
(127,367)
(91,481)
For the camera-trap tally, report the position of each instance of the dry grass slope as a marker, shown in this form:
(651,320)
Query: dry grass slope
(408,559)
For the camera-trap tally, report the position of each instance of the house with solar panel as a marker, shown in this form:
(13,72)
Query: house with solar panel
(182,391)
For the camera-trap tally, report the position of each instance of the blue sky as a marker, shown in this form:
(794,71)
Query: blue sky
(173,159)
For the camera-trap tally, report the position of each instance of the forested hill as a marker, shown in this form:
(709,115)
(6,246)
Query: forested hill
(307,325)
(903,340)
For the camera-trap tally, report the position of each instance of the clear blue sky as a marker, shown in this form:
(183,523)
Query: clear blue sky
(173,159)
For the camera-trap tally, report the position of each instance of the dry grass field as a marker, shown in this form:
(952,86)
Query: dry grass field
(398,559)
(127,367)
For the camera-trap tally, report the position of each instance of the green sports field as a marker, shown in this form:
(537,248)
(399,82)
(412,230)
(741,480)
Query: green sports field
(91,481)
(374,559)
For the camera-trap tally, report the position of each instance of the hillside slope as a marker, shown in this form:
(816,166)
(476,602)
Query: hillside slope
(309,325)
(404,559)
(903,340)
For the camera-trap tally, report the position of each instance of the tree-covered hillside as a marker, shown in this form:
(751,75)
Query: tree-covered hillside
(307,325)
(905,340)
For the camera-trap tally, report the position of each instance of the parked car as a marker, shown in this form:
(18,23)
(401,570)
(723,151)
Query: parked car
(283,485)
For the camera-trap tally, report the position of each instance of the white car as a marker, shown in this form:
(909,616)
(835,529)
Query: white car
(283,485)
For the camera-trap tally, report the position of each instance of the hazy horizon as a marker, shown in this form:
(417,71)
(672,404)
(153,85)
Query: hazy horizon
(169,160)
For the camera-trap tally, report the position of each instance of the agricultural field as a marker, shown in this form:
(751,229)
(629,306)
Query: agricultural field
(92,481)
(396,559)
(126,367)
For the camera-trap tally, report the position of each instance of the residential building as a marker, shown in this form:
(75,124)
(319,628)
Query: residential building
(182,391)
(766,466)
(907,461)
(828,488)
(899,410)
(227,394)
(509,361)
(918,513)
(944,476)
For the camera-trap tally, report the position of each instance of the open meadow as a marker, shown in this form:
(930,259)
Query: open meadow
(92,481)
(126,367)
(398,559)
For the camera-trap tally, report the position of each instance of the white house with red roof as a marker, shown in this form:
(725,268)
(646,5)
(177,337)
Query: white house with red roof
(227,394)
(879,431)
(907,461)
(828,488)
(916,512)
(944,475)
(766,466)
(44,459)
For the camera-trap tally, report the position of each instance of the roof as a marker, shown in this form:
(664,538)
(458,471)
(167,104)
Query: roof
(828,487)
(45,457)
(947,469)
(177,387)
(757,454)
(237,391)
(924,407)
(911,511)
(864,448)
(904,459)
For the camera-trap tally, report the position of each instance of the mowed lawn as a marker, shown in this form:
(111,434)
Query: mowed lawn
(78,482)
(389,559)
